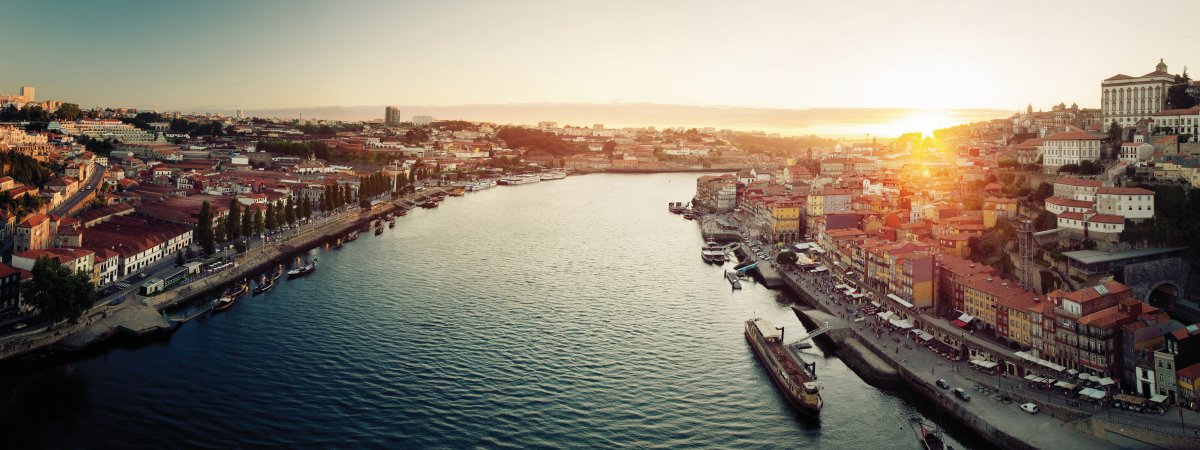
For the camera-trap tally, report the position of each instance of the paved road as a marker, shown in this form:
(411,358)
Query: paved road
(89,186)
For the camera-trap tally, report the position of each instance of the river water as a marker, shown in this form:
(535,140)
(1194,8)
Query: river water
(573,313)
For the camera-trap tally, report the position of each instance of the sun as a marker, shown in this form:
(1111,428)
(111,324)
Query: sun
(925,121)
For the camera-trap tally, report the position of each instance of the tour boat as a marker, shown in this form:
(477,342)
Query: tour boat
(555,175)
(278,273)
(458,191)
(379,229)
(794,377)
(713,253)
(430,204)
(352,236)
(302,270)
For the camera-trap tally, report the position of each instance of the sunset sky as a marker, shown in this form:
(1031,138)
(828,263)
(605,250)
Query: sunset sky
(946,58)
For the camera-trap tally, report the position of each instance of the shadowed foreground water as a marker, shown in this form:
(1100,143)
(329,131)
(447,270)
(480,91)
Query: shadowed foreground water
(573,313)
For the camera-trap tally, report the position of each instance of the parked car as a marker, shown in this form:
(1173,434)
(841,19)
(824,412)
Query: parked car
(962,395)
(942,383)
(1029,408)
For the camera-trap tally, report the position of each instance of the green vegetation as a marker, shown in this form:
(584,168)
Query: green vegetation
(299,149)
(57,292)
(783,147)
(204,229)
(991,248)
(1084,168)
(23,168)
(529,139)
(1176,221)
(786,258)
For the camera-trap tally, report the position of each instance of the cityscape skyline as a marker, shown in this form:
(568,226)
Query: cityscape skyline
(664,55)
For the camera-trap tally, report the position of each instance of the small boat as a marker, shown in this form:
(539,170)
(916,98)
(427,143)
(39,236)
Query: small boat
(263,286)
(402,212)
(337,244)
(224,303)
(392,223)
(929,435)
(365,228)
(379,229)
(430,204)
(458,191)
(302,270)
(278,273)
(352,236)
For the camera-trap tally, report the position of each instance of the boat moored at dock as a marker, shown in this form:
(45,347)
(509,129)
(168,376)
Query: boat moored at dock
(555,175)
(795,378)
(712,253)
(302,270)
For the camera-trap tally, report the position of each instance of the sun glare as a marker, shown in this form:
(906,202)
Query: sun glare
(925,122)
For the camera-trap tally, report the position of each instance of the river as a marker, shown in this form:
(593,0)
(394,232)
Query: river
(563,314)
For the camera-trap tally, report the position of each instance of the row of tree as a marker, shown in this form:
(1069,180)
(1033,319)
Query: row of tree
(245,221)
(34,113)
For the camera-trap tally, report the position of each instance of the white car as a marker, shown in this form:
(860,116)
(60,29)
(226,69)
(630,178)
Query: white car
(1029,408)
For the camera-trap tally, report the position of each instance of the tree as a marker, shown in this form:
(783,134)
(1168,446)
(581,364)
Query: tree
(233,222)
(258,222)
(269,219)
(289,212)
(204,228)
(1114,131)
(247,223)
(786,258)
(57,292)
(68,112)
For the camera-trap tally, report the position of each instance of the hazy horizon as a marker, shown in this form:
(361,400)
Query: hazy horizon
(828,122)
(938,60)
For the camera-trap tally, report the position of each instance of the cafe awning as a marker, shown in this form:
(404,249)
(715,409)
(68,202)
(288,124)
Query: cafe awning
(922,335)
(819,269)
(899,300)
(1106,381)
(885,314)
(1064,385)
(963,320)
(875,304)
(1158,398)
(902,324)
(984,363)
(1092,393)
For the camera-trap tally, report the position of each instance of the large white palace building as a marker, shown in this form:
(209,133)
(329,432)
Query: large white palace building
(1127,99)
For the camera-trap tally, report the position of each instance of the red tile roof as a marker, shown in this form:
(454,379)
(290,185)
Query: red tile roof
(1124,191)
(1072,136)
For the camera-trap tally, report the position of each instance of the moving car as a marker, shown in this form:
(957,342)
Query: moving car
(1029,408)
(942,383)
(962,395)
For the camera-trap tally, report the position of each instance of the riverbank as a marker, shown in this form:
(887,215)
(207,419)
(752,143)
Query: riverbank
(144,316)
(884,360)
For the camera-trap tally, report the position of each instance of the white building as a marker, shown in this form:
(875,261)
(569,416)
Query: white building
(421,121)
(1070,147)
(102,129)
(1126,99)
(1135,151)
(1130,203)
(1179,121)
(1076,188)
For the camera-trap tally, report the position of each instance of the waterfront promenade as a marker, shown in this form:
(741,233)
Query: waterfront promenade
(1060,425)
(140,315)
